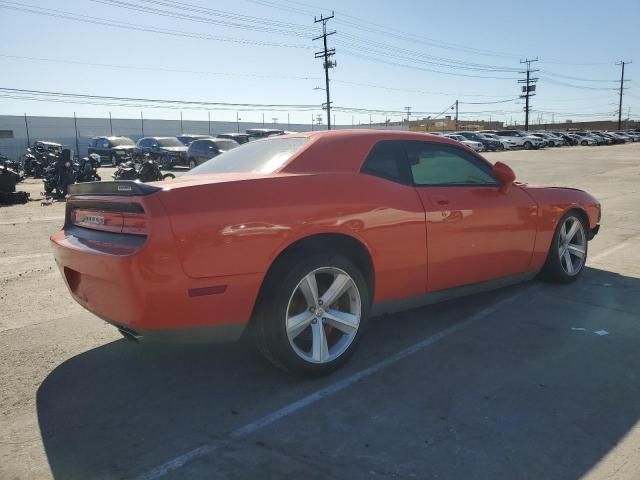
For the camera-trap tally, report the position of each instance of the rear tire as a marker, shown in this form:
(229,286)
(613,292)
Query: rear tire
(114,161)
(568,251)
(299,325)
(192,163)
(584,143)
(527,145)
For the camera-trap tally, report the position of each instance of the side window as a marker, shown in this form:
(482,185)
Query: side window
(433,164)
(387,159)
(104,143)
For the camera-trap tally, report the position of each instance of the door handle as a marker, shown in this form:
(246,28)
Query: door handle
(440,200)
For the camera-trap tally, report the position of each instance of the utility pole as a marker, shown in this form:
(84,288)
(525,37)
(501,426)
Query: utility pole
(209,121)
(456,114)
(181,129)
(262,119)
(26,124)
(75,124)
(142,123)
(408,119)
(110,124)
(238,121)
(622,63)
(528,88)
(326,54)
(288,122)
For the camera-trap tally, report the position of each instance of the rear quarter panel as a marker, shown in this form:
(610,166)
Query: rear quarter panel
(240,227)
(553,203)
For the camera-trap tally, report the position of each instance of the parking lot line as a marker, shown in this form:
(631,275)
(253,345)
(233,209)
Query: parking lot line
(340,385)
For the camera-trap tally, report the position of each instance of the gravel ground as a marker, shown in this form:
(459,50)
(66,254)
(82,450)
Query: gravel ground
(526,389)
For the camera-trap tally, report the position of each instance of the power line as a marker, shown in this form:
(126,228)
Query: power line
(130,26)
(160,69)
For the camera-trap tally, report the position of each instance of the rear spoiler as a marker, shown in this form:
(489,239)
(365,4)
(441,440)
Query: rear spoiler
(121,188)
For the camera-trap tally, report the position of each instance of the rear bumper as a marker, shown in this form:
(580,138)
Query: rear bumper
(142,288)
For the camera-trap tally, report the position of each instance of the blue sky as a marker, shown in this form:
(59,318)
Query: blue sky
(577,43)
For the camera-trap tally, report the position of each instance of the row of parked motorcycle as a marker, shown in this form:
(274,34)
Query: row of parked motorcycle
(54,165)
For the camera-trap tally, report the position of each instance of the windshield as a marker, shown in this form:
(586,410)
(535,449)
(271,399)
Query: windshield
(170,142)
(119,142)
(263,156)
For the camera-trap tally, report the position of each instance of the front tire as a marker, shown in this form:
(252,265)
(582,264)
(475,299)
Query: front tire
(192,163)
(568,252)
(166,163)
(311,313)
(528,145)
(114,160)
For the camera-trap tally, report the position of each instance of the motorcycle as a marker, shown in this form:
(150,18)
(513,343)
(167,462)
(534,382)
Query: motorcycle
(33,166)
(147,171)
(88,169)
(60,175)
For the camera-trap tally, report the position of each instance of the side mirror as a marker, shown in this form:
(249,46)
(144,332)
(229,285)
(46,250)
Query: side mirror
(504,174)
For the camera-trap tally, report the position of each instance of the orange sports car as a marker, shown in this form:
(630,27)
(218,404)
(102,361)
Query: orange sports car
(302,237)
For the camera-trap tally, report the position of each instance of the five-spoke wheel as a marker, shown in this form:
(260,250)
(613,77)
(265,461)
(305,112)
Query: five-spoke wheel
(568,252)
(311,312)
(323,315)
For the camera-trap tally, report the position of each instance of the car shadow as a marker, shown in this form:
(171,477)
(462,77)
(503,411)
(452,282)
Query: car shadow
(117,410)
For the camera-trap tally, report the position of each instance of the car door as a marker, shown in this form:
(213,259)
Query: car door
(476,229)
(209,150)
(104,149)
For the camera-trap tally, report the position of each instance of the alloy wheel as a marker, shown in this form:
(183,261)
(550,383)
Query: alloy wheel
(323,315)
(572,246)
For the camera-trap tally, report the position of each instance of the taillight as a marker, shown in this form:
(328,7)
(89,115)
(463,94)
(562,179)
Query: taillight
(110,221)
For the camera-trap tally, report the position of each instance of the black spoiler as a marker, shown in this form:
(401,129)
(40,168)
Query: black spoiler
(119,187)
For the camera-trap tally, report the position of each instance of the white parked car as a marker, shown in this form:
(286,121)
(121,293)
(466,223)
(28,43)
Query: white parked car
(522,139)
(477,146)
(507,142)
(585,139)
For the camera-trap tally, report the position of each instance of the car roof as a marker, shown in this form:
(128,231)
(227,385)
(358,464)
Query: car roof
(345,150)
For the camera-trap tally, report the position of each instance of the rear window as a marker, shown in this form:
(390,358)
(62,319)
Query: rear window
(264,156)
(226,144)
(170,142)
(117,142)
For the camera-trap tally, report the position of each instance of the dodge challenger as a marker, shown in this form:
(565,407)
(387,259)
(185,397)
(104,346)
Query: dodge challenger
(301,238)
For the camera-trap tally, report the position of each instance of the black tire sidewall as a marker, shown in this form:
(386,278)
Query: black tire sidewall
(527,145)
(272,307)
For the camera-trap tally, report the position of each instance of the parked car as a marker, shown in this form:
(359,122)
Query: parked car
(568,140)
(522,139)
(111,149)
(252,236)
(585,139)
(168,151)
(238,137)
(186,139)
(258,133)
(477,146)
(506,142)
(205,149)
(550,140)
(558,141)
(487,143)
(615,138)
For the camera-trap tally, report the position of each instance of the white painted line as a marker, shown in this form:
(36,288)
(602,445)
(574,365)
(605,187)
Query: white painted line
(609,251)
(292,408)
